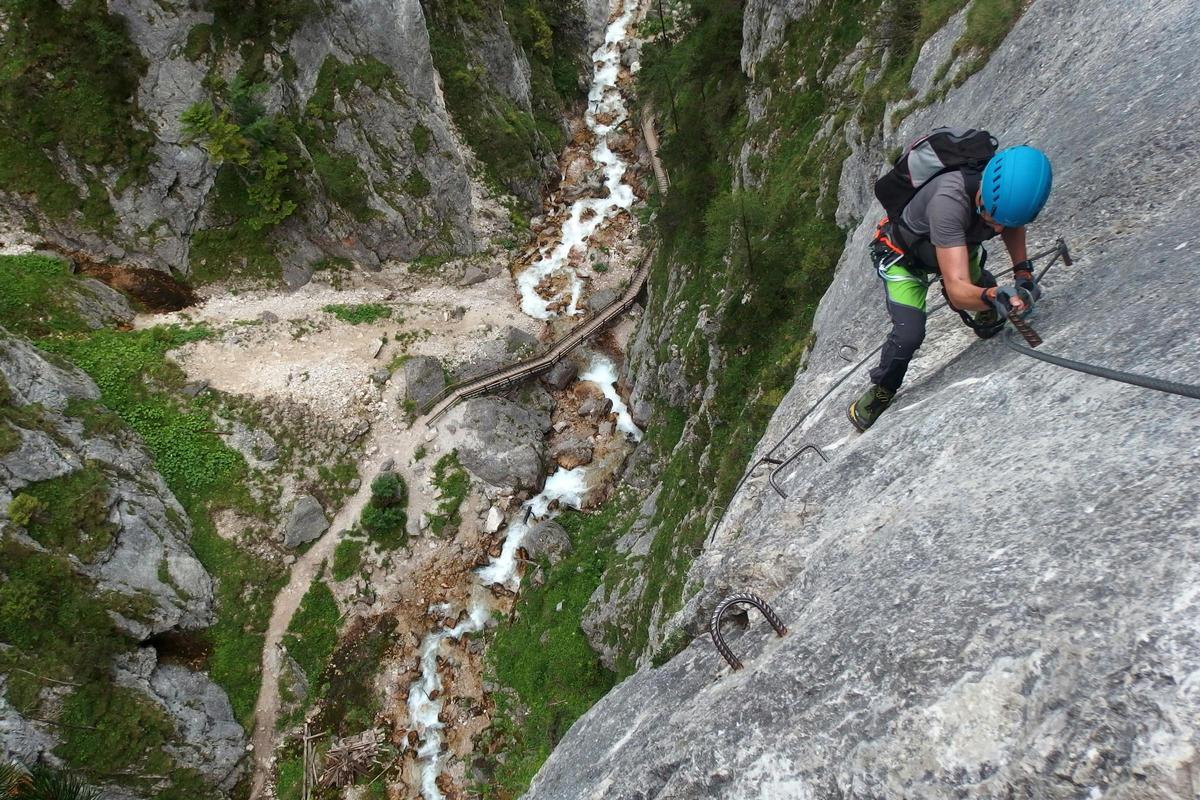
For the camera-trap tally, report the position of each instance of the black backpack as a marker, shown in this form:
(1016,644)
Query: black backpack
(943,150)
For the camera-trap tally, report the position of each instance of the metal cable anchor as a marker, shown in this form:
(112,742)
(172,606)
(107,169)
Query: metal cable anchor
(742,598)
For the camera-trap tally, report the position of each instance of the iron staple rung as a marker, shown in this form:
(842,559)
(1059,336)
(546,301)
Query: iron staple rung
(743,598)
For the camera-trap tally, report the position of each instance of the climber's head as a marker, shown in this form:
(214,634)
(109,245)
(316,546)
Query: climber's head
(1015,186)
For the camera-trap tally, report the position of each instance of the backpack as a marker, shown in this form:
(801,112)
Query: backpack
(943,150)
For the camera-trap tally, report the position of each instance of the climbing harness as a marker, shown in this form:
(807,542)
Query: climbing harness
(741,598)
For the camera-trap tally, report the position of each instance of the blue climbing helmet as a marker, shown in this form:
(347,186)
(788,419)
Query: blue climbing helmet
(1016,183)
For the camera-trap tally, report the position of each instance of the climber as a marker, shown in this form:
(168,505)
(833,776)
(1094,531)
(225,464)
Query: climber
(940,214)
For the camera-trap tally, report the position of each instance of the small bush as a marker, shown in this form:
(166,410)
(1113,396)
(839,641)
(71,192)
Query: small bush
(22,509)
(452,482)
(388,489)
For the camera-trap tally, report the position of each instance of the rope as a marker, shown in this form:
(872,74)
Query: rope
(1132,378)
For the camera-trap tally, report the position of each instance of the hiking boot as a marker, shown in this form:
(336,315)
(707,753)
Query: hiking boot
(987,324)
(865,410)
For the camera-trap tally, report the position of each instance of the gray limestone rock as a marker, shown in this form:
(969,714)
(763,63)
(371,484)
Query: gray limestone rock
(306,522)
(149,556)
(101,306)
(471,276)
(597,407)
(603,299)
(424,379)
(211,741)
(508,347)
(968,615)
(498,441)
(561,374)
(548,540)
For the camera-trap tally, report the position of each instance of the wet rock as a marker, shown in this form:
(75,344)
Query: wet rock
(194,389)
(561,374)
(548,540)
(596,407)
(306,522)
(424,379)
(571,452)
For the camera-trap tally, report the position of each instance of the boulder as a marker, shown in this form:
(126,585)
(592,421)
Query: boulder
(424,379)
(495,518)
(499,441)
(571,452)
(561,374)
(508,347)
(211,741)
(547,540)
(603,299)
(306,522)
(471,276)
(597,407)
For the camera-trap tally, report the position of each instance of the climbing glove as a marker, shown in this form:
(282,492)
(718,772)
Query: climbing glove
(1002,302)
(1024,279)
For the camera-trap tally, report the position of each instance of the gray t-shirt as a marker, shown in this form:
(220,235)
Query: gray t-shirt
(941,211)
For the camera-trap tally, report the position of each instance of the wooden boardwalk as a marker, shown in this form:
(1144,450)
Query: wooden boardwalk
(506,377)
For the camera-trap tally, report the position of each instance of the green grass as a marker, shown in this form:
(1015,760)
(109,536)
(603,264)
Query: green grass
(37,296)
(543,655)
(347,559)
(452,483)
(360,314)
(313,632)
(140,385)
(72,513)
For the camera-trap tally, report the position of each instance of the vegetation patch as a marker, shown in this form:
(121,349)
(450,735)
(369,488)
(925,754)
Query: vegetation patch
(508,140)
(452,483)
(313,632)
(384,519)
(347,559)
(37,295)
(69,81)
(69,514)
(140,385)
(543,658)
(348,699)
(360,314)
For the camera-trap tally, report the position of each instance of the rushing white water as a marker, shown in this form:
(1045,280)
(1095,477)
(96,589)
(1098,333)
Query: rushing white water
(568,487)
(604,100)
(603,373)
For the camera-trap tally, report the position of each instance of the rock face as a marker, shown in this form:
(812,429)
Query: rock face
(424,379)
(212,742)
(973,608)
(499,442)
(364,71)
(147,555)
(306,522)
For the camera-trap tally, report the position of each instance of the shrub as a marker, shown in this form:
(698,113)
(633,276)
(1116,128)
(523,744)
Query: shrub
(22,509)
